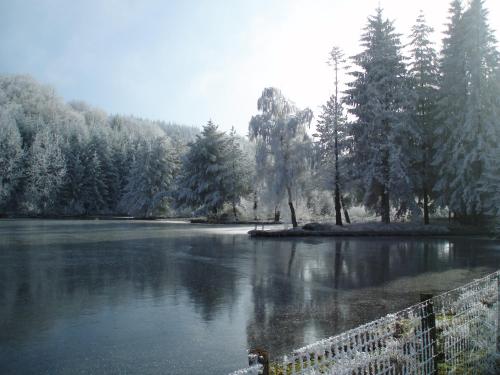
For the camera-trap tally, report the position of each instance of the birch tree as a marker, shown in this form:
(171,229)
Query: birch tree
(280,129)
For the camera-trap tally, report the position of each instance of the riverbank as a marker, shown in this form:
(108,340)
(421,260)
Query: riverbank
(373,230)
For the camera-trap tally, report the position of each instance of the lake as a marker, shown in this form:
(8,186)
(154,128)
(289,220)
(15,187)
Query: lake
(143,297)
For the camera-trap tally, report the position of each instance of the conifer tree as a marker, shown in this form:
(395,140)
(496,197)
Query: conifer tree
(150,180)
(202,185)
(332,134)
(378,98)
(468,110)
(11,157)
(46,173)
(424,75)
(238,173)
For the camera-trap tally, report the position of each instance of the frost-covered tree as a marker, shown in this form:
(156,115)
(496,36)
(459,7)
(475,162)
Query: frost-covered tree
(333,136)
(280,130)
(239,174)
(98,150)
(424,74)
(469,131)
(11,156)
(201,184)
(46,173)
(451,103)
(151,179)
(73,189)
(94,190)
(378,98)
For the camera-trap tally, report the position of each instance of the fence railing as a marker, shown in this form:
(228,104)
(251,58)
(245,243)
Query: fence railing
(452,333)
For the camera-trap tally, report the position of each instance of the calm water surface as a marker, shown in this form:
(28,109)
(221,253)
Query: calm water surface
(81,297)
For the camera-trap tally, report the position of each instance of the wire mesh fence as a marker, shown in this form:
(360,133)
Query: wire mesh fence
(453,333)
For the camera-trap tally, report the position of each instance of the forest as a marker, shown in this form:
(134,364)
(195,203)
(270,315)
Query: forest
(410,130)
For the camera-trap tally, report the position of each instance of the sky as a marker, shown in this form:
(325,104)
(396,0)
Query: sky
(191,61)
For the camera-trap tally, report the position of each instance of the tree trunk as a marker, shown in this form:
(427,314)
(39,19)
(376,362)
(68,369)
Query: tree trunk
(255,205)
(292,209)
(277,214)
(235,213)
(386,208)
(386,203)
(338,212)
(426,207)
(338,209)
(346,213)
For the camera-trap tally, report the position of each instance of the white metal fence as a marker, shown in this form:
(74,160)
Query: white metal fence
(453,333)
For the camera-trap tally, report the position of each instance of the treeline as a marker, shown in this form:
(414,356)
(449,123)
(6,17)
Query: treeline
(415,131)
(72,159)
(423,130)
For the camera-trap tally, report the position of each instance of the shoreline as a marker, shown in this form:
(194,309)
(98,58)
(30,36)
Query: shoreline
(375,230)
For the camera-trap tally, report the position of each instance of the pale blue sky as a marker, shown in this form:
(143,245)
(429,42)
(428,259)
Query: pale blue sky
(189,61)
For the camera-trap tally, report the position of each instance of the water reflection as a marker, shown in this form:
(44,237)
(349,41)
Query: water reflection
(143,297)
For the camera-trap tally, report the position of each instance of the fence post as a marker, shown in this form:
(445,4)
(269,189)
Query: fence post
(498,311)
(429,322)
(262,358)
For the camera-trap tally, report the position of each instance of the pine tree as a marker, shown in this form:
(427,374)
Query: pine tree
(238,175)
(93,189)
(46,173)
(201,184)
(468,110)
(424,73)
(378,97)
(280,131)
(11,157)
(332,133)
(72,190)
(150,180)
(451,104)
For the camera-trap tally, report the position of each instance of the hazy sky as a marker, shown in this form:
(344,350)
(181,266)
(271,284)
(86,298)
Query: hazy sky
(190,61)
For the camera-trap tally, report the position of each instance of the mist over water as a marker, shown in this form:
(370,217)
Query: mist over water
(156,297)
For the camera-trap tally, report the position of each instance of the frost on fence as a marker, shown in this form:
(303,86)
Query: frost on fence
(453,333)
(467,326)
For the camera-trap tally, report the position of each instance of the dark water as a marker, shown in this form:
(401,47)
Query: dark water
(81,297)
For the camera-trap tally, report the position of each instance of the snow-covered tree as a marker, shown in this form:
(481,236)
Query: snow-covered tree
(280,130)
(239,173)
(333,136)
(378,98)
(11,156)
(46,172)
(73,189)
(424,74)
(469,131)
(151,179)
(202,185)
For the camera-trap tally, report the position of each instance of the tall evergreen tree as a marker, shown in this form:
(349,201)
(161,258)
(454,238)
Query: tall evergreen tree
(378,97)
(451,103)
(202,185)
(11,157)
(424,73)
(238,173)
(46,173)
(73,189)
(332,133)
(94,189)
(469,128)
(150,180)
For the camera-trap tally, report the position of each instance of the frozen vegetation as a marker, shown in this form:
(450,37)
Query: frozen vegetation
(416,132)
